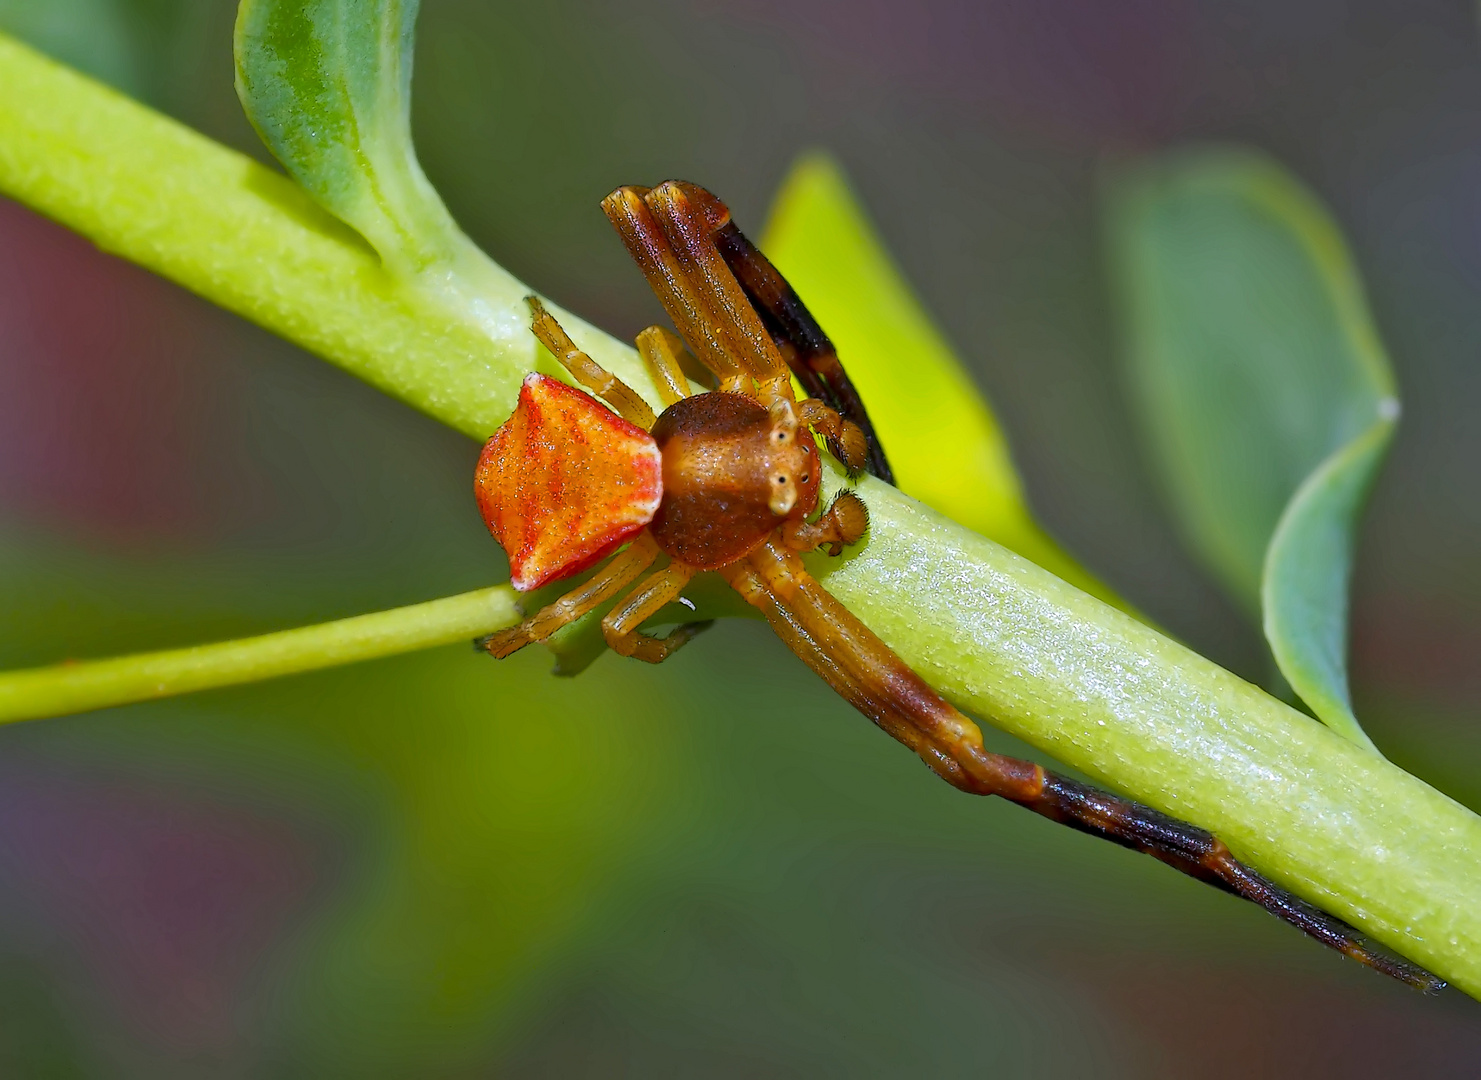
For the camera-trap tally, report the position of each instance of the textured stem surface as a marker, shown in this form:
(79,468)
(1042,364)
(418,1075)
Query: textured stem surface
(1100,691)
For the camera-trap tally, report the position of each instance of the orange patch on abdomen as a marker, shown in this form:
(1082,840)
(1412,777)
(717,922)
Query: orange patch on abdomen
(564,482)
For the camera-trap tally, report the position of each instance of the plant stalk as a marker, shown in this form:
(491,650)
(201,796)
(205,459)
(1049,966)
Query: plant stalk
(78,686)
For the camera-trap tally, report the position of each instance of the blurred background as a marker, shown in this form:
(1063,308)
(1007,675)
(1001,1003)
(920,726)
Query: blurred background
(440,866)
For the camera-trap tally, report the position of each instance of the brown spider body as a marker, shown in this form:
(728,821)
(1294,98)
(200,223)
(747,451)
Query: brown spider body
(739,479)
(565,482)
(733,472)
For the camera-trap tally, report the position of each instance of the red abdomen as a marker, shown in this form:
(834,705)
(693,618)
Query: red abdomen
(564,482)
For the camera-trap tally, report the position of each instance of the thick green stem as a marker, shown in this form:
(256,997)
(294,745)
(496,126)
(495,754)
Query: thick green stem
(1103,692)
(246,237)
(91,684)
(1002,637)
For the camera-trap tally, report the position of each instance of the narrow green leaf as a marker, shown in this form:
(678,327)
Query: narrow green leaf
(1307,567)
(1263,389)
(941,436)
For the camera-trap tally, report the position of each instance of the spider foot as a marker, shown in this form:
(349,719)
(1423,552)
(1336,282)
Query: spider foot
(501,644)
(655,650)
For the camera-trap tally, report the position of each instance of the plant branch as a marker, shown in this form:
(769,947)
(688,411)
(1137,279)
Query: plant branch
(1000,636)
(244,236)
(79,686)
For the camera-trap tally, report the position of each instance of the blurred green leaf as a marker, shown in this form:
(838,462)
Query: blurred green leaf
(943,441)
(327,84)
(1263,389)
(516,800)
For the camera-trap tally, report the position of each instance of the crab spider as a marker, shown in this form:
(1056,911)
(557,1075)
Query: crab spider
(727,481)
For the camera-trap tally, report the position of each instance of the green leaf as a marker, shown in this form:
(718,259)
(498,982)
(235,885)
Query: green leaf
(1307,567)
(327,84)
(941,436)
(1263,389)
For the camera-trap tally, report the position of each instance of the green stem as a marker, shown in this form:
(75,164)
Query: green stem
(77,687)
(1002,637)
(1097,689)
(249,239)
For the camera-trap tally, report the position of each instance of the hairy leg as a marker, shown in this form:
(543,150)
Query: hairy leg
(660,351)
(587,371)
(620,627)
(611,579)
(856,663)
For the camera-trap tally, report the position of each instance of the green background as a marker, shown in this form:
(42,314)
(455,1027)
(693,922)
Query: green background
(440,866)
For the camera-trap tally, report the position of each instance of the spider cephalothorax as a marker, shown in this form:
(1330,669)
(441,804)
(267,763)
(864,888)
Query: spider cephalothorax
(726,481)
(732,473)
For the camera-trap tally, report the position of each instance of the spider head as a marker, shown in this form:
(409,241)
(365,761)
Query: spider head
(793,469)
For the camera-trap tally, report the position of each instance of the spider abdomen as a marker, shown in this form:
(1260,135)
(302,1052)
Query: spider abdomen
(732,472)
(564,482)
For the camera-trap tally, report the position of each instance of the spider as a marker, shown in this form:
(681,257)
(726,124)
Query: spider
(728,481)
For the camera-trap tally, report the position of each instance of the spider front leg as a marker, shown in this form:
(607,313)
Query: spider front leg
(803,343)
(620,627)
(673,284)
(622,571)
(689,216)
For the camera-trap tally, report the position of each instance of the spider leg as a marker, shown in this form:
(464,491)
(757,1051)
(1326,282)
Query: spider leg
(689,216)
(844,523)
(846,439)
(661,351)
(585,370)
(804,345)
(672,284)
(622,571)
(841,677)
(620,627)
(856,663)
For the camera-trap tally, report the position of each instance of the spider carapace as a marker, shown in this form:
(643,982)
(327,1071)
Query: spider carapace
(728,481)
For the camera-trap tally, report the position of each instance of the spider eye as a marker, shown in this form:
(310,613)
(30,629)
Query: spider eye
(781,479)
(805,477)
(779,436)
